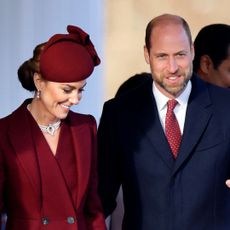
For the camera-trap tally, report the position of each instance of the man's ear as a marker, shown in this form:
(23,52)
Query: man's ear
(193,51)
(205,64)
(146,54)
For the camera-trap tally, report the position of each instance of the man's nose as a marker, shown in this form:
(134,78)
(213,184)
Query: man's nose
(172,65)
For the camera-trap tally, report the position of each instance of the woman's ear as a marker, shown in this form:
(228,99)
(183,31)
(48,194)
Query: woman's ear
(37,81)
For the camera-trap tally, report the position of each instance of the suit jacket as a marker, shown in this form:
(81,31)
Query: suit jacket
(20,178)
(161,193)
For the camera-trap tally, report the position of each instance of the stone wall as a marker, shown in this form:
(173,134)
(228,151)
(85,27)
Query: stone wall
(126,20)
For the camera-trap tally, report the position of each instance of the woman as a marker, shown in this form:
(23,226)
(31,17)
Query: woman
(48,176)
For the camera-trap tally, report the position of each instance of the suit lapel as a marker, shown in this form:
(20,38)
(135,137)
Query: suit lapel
(152,128)
(82,148)
(197,118)
(21,139)
(56,197)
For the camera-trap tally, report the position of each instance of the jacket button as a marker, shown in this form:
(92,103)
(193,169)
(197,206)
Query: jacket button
(70,220)
(45,221)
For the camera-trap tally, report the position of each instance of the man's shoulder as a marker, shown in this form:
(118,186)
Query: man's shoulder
(200,86)
(207,94)
(218,93)
(131,97)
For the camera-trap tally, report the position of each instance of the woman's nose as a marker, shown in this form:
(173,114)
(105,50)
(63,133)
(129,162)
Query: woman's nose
(74,100)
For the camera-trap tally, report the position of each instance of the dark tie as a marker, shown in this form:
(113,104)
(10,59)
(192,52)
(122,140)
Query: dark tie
(172,129)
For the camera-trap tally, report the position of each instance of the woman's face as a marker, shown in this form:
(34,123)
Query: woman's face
(56,98)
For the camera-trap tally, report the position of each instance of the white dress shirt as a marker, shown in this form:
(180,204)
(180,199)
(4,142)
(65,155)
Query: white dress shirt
(180,109)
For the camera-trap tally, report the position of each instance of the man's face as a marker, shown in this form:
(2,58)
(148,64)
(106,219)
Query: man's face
(170,58)
(221,75)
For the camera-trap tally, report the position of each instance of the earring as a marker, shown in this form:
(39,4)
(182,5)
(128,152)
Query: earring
(38,94)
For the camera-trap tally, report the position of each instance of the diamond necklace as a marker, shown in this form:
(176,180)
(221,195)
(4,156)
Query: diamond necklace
(50,128)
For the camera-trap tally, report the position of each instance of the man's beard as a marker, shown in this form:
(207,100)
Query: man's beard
(175,91)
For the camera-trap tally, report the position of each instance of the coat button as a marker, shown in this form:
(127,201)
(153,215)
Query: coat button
(45,221)
(70,220)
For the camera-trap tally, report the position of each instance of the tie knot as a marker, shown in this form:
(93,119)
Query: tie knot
(171,104)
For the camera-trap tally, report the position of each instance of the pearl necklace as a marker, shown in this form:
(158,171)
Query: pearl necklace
(50,128)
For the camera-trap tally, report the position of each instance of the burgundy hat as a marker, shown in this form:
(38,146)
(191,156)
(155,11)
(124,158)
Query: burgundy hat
(68,57)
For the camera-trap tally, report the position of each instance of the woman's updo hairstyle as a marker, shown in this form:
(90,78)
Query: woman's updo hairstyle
(28,68)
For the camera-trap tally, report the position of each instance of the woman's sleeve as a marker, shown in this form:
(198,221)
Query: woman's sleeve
(93,210)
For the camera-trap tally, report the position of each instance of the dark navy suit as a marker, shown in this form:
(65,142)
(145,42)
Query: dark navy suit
(161,193)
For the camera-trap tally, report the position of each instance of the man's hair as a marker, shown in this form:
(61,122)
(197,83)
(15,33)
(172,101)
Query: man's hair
(212,40)
(155,21)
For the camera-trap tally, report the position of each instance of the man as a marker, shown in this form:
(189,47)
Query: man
(212,54)
(172,175)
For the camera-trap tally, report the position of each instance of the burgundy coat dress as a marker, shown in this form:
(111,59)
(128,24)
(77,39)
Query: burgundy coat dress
(41,191)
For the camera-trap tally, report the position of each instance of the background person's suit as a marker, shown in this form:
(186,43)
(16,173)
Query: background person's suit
(159,192)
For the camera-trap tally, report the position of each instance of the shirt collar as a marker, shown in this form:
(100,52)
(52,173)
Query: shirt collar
(161,99)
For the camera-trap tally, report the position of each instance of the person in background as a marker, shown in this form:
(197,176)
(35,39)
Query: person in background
(133,82)
(167,143)
(48,155)
(212,54)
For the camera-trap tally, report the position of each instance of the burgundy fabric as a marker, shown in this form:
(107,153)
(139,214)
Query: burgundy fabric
(56,204)
(66,160)
(21,144)
(172,128)
(68,57)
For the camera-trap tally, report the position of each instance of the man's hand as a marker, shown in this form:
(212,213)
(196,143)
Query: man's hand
(228,182)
